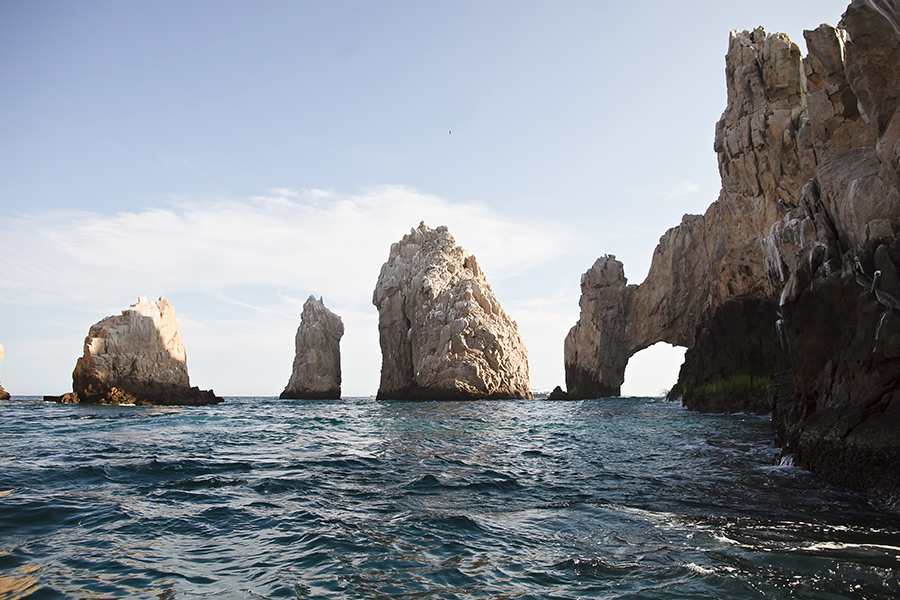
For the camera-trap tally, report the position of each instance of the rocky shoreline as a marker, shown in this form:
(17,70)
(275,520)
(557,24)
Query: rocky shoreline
(774,289)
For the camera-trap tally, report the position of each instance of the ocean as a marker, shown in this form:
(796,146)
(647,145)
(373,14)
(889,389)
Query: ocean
(357,498)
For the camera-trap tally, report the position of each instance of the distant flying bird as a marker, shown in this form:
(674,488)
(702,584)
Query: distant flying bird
(786,205)
(885,298)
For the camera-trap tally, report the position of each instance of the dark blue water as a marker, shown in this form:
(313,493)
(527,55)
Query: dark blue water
(264,498)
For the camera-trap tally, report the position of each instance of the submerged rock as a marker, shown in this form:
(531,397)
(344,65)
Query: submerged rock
(443,333)
(4,395)
(136,358)
(316,372)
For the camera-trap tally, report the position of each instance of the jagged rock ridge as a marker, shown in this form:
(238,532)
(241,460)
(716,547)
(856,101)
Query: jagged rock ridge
(765,284)
(443,333)
(316,372)
(136,358)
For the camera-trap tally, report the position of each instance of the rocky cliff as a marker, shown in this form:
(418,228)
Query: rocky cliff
(316,372)
(4,395)
(764,156)
(765,289)
(136,358)
(443,333)
(834,260)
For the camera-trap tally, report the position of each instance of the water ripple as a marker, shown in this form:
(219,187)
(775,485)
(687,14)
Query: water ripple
(264,498)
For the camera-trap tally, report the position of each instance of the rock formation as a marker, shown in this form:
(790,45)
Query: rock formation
(764,288)
(840,321)
(316,373)
(136,358)
(4,395)
(443,333)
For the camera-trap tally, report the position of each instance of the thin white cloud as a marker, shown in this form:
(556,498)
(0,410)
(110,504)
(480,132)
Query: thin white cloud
(331,243)
(685,188)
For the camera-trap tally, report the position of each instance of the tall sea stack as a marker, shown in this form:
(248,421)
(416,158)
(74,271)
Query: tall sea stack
(773,290)
(443,334)
(316,373)
(136,358)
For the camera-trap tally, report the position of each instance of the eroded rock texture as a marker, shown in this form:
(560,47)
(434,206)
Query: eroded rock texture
(764,285)
(136,358)
(443,333)
(316,373)
(4,395)
(842,330)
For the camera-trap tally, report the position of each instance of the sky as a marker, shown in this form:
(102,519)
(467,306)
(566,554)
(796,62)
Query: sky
(238,157)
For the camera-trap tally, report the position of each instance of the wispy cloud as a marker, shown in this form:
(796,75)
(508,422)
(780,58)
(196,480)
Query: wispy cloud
(323,241)
(685,188)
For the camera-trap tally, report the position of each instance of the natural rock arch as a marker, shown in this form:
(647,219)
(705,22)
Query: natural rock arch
(809,211)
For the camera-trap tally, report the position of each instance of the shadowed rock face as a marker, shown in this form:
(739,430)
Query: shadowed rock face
(316,372)
(443,333)
(843,421)
(4,395)
(756,287)
(136,358)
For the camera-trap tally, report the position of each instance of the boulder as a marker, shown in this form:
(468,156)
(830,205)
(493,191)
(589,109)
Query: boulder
(136,358)
(4,395)
(443,333)
(316,372)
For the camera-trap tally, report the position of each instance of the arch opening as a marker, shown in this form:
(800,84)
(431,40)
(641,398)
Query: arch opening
(653,371)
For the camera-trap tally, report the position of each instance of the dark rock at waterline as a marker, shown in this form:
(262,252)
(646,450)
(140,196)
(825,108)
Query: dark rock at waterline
(559,394)
(731,365)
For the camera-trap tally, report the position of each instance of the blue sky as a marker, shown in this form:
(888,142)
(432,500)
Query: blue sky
(238,157)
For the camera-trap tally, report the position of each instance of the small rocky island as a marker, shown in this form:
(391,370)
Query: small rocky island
(786,292)
(136,358)
(444,336)
(316,373)
(4,395)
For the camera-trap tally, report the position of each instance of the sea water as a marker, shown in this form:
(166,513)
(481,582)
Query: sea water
(357,498)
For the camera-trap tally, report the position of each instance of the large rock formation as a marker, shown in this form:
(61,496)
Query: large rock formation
(4,395)
(316,373)
(842,329)
(764,284)
(136,358)
(707,260)
(443,334)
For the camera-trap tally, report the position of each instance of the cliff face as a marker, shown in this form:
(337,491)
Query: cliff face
(4,395)
(136,358)
(840,321)
(443,333)
(765,282)
(762,142)
(316,372)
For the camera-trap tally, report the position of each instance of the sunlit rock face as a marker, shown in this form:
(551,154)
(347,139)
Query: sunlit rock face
(136,358)
(766,282)
(443,333)
(316,372)
(4,395)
